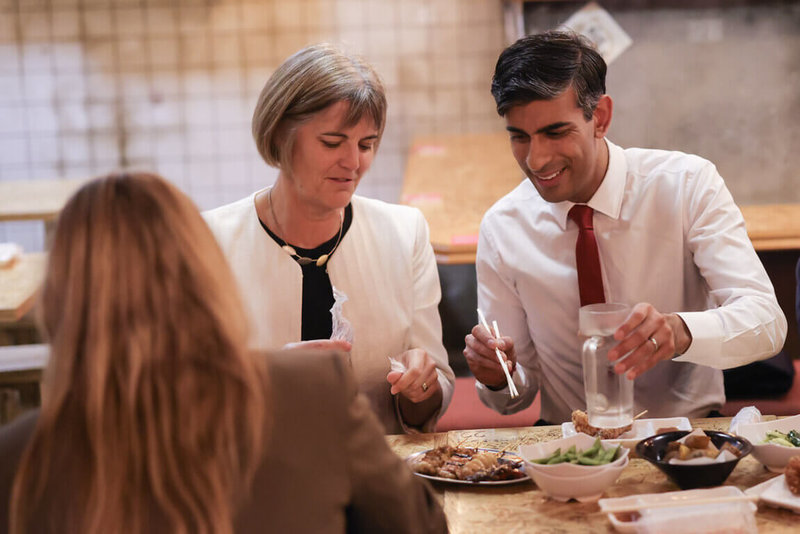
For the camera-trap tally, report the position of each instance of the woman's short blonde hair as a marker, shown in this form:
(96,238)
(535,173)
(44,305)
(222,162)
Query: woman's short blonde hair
(308,82)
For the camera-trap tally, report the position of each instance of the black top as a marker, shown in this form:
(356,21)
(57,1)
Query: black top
(316,321)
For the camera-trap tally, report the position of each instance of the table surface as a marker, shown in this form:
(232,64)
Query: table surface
(35,199)
(518,507)
(454,179)
(19,284)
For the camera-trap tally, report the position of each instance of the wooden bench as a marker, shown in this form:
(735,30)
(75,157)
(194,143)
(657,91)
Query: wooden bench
(22,362)
(466,411)
(20,374)
(787,404)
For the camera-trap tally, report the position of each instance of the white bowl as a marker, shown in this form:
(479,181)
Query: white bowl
(774,457)
(587,488)
(566,469)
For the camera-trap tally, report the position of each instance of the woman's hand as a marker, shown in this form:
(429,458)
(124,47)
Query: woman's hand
(320,344)
(420,381)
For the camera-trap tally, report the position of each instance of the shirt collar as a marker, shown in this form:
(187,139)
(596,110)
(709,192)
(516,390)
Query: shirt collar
(608,197)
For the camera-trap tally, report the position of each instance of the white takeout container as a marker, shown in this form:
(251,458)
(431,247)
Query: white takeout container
(774,457)
(651,519)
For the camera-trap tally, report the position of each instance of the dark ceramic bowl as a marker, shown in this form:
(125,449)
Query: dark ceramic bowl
(654,448)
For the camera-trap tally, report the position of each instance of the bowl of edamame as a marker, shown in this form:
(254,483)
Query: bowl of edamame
(579,467)
(774,442)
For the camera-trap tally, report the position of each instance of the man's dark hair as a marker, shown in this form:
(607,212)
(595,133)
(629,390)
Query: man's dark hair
(542,66)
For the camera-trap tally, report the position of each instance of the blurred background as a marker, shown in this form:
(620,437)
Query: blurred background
(90,86)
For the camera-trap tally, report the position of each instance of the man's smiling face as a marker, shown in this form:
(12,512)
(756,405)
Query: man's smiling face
(562,153)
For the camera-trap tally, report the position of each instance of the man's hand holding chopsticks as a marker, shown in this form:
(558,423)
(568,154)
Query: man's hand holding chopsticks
(482,358)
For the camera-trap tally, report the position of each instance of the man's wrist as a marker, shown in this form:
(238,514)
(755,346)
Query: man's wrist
(499,387)
(683,338)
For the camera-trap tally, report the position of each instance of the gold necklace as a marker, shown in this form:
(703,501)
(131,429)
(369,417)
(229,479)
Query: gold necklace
(302,260)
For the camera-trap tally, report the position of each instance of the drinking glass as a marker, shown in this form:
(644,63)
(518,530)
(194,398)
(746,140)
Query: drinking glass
(609,396)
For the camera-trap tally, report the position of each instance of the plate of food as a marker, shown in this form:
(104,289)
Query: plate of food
(468,465)
(627,436)
(782,491)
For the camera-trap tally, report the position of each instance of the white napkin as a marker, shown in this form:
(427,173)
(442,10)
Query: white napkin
(723,456)
(745,416)
(397,365)
(341,327)
(9,253)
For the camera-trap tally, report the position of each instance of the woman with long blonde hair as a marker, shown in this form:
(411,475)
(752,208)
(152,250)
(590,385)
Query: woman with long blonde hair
(155,417)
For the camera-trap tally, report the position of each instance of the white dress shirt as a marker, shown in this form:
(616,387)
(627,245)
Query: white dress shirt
(668,233)
(385,266)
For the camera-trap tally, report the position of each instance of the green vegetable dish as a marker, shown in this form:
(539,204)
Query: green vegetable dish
(790,439)
(595,455)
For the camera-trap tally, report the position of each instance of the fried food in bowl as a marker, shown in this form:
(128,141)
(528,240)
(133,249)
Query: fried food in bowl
(656,449)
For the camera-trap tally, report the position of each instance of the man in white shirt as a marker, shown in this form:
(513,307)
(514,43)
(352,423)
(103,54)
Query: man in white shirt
(671,242)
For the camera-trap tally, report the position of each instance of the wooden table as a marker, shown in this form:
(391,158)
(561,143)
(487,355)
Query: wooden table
(36,200)
(454,179)
(524,508)
(19,284)
(32,200)
(773,226)
(29,200)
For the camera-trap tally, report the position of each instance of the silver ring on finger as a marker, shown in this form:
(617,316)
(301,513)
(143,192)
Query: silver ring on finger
(424,387)
(654,342)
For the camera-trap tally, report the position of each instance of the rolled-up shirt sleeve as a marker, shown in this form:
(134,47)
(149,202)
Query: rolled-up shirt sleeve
(744,322)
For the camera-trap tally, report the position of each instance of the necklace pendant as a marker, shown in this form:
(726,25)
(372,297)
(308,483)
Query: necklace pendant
(289,250)
(321,260)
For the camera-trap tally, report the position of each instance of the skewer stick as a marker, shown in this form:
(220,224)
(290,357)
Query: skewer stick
(512,390)
(635,507)
(639,415)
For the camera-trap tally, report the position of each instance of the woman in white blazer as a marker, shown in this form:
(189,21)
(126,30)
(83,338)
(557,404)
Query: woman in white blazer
(308,241)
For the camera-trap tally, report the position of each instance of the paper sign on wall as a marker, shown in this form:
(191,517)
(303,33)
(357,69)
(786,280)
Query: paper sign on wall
(596,24)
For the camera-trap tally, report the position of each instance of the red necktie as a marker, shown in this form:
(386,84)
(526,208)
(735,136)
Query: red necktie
(590,280)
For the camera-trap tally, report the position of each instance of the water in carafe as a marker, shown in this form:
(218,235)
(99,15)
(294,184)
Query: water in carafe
(609,396)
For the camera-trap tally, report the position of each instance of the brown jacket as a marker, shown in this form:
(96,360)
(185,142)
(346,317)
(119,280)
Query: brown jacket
(327,466)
